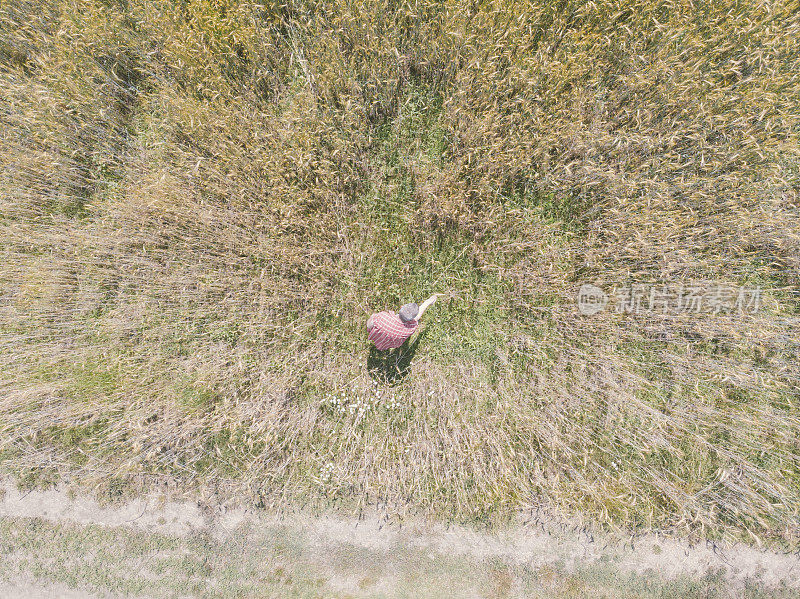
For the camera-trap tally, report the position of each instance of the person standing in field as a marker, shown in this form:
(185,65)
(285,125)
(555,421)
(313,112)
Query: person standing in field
(389,330)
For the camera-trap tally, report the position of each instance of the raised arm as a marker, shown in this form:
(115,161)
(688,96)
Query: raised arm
(425,304)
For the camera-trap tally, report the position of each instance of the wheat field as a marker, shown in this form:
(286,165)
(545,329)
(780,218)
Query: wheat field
(202,201)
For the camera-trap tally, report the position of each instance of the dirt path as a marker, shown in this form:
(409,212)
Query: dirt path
(33,590)
(335,541)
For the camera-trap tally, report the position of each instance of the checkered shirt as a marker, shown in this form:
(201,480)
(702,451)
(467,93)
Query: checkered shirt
(388,331)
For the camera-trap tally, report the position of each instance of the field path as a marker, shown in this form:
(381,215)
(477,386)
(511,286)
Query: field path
(342,557)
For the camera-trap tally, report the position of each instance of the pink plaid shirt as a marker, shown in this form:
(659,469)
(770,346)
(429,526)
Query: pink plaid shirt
(388,331)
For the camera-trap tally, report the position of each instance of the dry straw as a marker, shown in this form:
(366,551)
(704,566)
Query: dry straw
(201,201)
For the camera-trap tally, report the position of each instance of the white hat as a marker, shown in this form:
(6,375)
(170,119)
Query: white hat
(408,312)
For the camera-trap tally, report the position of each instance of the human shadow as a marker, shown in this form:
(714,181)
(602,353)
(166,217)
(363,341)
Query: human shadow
(391,366)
